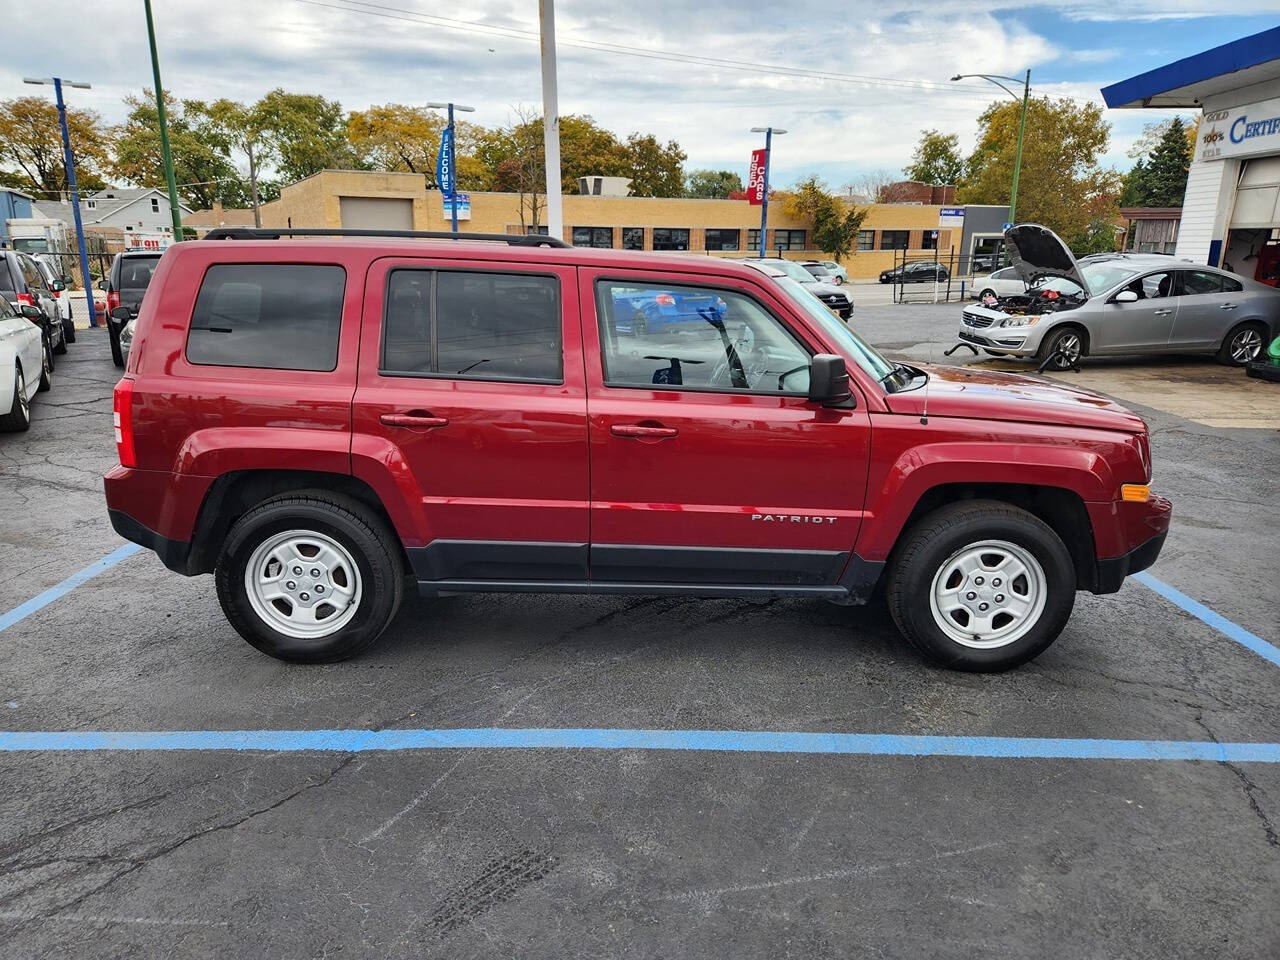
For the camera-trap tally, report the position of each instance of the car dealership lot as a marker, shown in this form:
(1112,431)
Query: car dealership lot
(552,851)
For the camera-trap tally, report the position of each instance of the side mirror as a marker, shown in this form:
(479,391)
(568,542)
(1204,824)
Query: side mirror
(1125,296)
(102,285)
(829,381)
(121,313)
(30,312)
(58,286)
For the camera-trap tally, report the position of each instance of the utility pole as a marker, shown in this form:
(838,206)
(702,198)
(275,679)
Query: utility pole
(451,188)
(69,160)
(164,128)
(551,117)
(764,199)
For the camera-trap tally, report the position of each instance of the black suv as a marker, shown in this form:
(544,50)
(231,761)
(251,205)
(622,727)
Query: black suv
(128,280)
(921,271)
(21,282)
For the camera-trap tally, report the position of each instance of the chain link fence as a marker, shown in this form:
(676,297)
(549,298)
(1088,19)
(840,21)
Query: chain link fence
(935,276)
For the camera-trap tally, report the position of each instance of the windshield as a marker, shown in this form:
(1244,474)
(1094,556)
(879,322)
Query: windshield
(1061,285)
(852,345)
(793,270)
(1105,275)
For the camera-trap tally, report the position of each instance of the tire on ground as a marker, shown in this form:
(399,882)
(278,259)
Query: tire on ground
(117,355)
(17,419)
(938,536)
(371,544)
(1224,351)
(1052,342)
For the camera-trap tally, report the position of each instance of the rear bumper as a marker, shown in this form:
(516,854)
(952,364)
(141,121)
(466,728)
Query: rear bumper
(1147,531)
(172,553)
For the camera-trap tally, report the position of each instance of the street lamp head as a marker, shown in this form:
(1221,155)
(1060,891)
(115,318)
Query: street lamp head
(458,107)
(49,81)
(38,80)
(776,130)
(958,76)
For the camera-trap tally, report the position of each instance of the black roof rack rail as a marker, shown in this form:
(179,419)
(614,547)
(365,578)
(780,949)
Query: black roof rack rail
(271,233)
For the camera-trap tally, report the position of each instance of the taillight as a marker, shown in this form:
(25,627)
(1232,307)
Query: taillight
(26,298)
(122,410)
(113,300)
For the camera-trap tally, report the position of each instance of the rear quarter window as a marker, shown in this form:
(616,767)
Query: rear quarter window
(272,316)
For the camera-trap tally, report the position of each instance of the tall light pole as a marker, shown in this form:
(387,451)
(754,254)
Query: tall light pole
(164,129)
(764,201)
(69,160)
(550,116)
(453,157)
(1022,126)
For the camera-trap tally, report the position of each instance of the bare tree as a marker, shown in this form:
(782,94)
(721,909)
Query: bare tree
(523,167)
(871,186)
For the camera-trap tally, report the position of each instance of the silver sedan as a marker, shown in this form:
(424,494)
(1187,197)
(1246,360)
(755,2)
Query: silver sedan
(1120,304)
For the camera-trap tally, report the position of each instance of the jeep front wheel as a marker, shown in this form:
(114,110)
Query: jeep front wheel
(981,585)
(309,578)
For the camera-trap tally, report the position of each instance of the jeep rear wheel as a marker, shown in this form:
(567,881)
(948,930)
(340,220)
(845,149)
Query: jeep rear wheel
(309,578)
(981,585)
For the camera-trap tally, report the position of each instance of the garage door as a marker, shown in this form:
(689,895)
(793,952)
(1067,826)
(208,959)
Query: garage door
(1258,197)
(376,213)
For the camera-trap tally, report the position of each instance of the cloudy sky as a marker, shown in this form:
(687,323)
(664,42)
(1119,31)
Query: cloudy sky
(893,58)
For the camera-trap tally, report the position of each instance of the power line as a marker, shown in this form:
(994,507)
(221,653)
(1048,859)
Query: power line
(512,33)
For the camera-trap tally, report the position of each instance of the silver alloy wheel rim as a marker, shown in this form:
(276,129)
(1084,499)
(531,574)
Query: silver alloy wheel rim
(303,584)
(988,594)
(1246,345)
(47,359)
(1069,347)
(23,403)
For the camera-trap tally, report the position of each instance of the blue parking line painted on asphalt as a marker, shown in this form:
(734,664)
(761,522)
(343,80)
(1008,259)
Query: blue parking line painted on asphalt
(591,738)
(1216,620)
(24,610)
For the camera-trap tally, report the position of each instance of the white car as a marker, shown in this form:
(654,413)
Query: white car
(49,270)
(1002,283)
(25,366)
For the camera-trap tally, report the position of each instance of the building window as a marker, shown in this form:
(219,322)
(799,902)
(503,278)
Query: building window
(894,239)
(723,239)
(866,239)
(788,239)
(753,239)
(929,240)
(670,238)
(593,237)
(633,238)
(91,204)
(155,205)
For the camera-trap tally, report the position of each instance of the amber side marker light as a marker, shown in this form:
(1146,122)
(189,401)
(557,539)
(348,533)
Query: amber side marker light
(1135,492)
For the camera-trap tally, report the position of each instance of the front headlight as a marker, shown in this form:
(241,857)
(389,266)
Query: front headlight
(1019,321)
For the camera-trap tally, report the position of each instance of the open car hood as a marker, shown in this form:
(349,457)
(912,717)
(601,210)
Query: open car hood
(1036,252)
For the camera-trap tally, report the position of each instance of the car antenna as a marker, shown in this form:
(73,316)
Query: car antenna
(924,410)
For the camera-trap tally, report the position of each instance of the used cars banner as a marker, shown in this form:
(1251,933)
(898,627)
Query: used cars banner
(755,178)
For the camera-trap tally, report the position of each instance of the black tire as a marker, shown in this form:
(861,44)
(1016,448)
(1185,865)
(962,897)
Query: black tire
(1234,353)
(46,368)
(69,330)
(117,356)
(18,419)
(365,537)
(934,540)
(837,280)
(986,293)
(1056,339)
(61,347)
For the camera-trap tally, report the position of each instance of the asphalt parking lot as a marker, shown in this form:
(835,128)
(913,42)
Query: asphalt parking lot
(701,841)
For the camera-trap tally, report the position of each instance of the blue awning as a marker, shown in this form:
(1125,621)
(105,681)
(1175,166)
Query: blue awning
(1187,82)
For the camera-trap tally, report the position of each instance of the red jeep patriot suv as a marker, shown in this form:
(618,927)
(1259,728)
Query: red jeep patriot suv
(316,416)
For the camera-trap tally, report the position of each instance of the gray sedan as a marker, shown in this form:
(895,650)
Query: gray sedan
(1120,304)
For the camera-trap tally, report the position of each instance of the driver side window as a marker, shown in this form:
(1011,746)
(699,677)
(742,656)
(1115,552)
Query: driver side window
(1154,286)
(661,336)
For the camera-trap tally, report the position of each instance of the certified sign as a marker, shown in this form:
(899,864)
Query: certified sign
(1244,131)
(951,217)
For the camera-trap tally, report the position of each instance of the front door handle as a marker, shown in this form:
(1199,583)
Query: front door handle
(1227,306)
(414,421)
(1163,313)
(638,430)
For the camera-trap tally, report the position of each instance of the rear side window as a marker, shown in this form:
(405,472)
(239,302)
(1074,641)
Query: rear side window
(1231,286)
(272,315)
(1197,281)
(136,272)
(472,325)
(8,289)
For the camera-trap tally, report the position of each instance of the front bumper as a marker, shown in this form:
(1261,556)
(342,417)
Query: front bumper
(1145,528)
(1010,341)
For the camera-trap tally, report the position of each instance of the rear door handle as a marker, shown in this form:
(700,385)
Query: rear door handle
(1227,306)
(637,430)
(414,421)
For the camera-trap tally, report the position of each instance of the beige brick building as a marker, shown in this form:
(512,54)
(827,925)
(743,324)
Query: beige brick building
(353,198)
